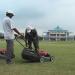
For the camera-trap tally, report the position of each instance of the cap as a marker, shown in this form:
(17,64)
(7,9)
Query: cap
(10,12)
(29,28)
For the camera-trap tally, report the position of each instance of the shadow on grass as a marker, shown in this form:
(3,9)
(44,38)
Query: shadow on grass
(24,62)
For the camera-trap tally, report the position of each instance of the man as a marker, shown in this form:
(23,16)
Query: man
(9,36)
(31,36)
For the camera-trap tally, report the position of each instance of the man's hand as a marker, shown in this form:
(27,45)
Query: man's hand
(26,43)
(21,35)
(16,31)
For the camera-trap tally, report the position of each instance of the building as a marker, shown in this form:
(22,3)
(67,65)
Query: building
(57,34)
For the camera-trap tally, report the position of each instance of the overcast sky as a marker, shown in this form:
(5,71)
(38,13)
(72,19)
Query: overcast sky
(42,14)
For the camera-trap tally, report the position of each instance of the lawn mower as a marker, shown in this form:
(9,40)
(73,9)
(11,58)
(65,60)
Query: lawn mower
(31,55)
(2,53)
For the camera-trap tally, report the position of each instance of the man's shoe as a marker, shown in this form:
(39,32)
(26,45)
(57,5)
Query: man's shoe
(13,56)
(9,62)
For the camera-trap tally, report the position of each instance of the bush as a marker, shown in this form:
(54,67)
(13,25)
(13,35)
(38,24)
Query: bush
(1,35)
(40,38)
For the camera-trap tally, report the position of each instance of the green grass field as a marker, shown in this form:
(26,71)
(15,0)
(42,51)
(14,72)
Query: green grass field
(64,63)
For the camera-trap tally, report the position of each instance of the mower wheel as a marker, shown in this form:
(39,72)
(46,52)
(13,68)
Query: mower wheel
(42,59)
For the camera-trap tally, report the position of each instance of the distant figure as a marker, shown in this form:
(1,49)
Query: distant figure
(9,36)
(31,36)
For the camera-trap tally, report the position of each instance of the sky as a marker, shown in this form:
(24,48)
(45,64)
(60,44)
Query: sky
(42,14)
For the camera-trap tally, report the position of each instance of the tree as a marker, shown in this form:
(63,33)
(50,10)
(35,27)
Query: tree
(1,35)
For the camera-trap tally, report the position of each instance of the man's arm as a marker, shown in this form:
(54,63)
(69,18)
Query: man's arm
(26,38)
(17,31)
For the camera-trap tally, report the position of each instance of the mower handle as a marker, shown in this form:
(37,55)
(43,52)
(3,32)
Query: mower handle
(20,42)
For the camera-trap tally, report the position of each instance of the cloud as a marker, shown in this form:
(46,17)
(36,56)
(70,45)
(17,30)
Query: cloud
(44,14)
(29,13)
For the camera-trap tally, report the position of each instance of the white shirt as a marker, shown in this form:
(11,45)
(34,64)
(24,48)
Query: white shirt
(7,26)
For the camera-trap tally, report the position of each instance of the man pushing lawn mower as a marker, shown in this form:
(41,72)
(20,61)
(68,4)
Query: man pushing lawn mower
(9,36)
(31,36)
(34,54)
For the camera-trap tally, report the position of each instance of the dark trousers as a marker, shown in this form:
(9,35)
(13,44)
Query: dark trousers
(10,50)
(35,43)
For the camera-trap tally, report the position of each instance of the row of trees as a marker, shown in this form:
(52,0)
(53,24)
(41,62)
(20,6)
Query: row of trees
(21,37)
(1,35)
